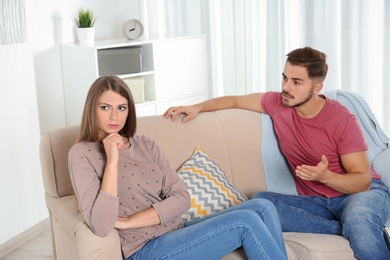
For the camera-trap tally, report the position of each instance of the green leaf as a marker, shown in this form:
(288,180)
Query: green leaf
(85,18)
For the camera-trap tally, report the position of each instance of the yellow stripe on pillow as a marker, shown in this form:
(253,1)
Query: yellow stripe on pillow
(210,189)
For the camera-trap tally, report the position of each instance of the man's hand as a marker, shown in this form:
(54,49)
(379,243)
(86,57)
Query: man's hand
(357,176)
(190,112)
(313,173)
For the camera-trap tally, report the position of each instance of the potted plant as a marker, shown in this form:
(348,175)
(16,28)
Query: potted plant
(85,20)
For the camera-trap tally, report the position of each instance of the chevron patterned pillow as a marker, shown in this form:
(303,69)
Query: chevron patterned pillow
(211,191)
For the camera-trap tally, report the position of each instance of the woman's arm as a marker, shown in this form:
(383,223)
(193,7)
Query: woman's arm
(144,218)
(98,208)
(112,143)
(96,191)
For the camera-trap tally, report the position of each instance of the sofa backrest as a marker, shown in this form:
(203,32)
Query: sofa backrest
(231,137)
(54,148)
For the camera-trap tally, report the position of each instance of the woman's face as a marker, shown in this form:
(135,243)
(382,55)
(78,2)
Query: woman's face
(112,110)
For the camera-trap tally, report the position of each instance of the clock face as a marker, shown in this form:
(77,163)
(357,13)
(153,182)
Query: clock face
(133,29)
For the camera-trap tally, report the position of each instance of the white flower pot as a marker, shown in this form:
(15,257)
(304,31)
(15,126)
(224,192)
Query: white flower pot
(86,35)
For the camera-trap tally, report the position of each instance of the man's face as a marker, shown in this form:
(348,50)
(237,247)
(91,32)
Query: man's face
(297,88)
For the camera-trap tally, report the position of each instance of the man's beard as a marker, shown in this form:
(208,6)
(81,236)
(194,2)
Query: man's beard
(300,103)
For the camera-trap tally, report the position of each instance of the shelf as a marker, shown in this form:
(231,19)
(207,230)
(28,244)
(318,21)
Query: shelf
(145,73)
(173,71)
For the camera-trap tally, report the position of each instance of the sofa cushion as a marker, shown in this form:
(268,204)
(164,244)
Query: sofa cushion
(309,246)
(210,189)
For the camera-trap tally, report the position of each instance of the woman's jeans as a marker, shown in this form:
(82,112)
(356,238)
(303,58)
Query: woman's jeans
(360,217)
(254,225)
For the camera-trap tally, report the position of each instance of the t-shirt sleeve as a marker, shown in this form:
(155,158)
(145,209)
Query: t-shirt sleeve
(351,136)
(99,209)
(270,101)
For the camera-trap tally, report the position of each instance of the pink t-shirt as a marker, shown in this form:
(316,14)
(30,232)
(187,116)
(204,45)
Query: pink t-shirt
(333,132)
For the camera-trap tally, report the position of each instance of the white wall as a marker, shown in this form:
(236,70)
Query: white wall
(32,100)
(21,189)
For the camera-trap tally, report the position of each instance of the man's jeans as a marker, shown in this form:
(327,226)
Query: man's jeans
(360,217)
(254,225)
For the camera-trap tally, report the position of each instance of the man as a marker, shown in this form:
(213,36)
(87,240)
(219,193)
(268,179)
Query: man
(324,145)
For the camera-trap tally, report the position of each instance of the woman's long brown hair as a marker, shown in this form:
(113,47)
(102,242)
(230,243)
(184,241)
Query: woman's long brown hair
(89,130)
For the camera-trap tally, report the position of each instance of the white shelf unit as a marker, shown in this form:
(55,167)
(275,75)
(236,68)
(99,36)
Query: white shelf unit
(174,71)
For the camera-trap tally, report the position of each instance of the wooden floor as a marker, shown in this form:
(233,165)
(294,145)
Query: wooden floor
(38,248)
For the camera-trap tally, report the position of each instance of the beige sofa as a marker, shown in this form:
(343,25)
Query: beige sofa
(231,137)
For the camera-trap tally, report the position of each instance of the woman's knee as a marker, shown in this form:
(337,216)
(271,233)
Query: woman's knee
(248,219)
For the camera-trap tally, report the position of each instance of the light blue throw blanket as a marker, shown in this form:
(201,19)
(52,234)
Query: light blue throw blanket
(277,172)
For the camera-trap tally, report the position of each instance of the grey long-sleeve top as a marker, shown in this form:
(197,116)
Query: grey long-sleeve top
(145,179)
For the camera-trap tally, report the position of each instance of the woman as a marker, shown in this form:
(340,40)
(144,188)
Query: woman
(124,181)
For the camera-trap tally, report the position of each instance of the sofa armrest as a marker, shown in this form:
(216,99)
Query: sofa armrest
(68,227)
(92,247)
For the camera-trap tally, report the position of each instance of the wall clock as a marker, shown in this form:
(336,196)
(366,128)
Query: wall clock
(133,29)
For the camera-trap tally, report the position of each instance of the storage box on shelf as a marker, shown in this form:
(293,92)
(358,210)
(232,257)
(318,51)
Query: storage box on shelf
(136,85)
(160,73)
(124,60)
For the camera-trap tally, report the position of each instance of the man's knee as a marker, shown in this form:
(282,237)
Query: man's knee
(263,195)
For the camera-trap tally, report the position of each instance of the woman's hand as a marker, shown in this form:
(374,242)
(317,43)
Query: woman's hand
(112,143)
(144,218)
(121,223)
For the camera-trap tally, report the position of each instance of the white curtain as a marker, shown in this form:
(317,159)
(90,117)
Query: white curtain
(248,41)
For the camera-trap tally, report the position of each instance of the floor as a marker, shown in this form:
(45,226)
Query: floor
(38,248)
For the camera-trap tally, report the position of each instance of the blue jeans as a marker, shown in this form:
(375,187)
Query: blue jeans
(359,217)
(254,225)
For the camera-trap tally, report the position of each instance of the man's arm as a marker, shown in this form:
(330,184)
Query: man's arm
(249,102)
(356,179)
